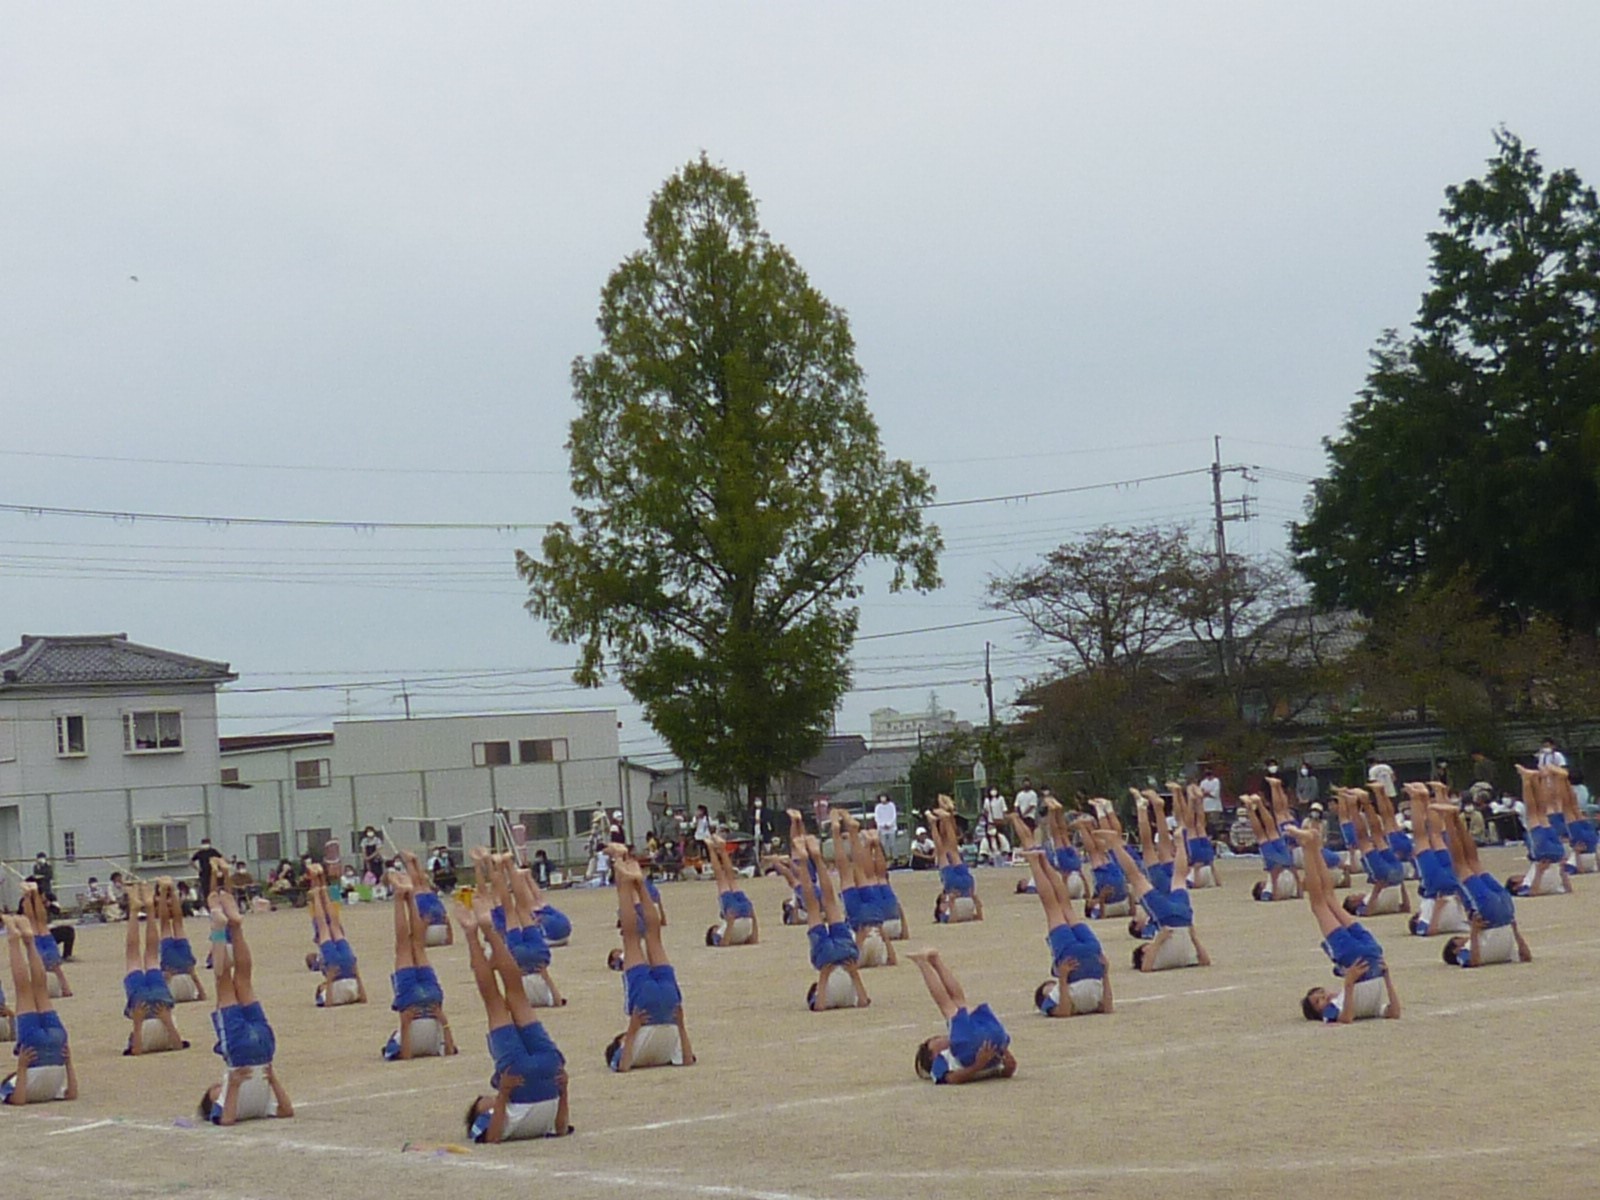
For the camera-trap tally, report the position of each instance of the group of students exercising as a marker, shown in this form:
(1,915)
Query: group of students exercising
(509,929)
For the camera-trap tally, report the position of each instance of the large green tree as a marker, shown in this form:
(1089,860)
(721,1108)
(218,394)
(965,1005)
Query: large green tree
(1467,449)
(730,487)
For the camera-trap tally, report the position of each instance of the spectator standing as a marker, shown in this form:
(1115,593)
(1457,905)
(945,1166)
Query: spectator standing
(371,855)
(208,874)
(887,818)
(994,809)
(1307,790)
(702,832)
(1549,755)
(44,875)
(1211,803)
(1027,802)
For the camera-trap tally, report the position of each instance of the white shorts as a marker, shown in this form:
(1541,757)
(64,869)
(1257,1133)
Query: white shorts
(532,1120)
(183,989)
(436,935)
(874,950)
(341,991)
(537,991)
(657,1046)
(963,908)
(1178,951)
(737,931)
(894,929)
(1386,902)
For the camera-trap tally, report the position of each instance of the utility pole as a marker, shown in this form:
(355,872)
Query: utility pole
(1222,560)
(406,697)
(988,685)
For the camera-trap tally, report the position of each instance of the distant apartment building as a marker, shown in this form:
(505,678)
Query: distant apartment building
(890,727)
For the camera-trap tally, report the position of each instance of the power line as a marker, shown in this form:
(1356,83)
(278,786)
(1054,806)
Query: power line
(247,466)
(1082,487)
(45,510)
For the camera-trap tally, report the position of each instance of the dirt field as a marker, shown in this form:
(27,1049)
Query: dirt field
(1204,1080)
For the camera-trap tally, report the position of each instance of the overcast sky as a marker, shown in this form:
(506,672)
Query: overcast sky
(1075,241)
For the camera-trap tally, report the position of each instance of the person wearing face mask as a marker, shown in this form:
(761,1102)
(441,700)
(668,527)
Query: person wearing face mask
(1307,789)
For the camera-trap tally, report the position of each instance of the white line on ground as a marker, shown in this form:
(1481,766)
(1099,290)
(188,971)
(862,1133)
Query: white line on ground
(446,1161)
(81,1128)
(364,1097)
(1364,1161)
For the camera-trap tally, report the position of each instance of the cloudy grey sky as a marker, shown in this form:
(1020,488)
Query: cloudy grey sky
(1075,241)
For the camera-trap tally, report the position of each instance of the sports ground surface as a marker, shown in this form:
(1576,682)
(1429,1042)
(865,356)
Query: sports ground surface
(1204,1082)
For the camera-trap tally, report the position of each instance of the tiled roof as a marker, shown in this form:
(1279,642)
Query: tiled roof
(874,768)
(103,658)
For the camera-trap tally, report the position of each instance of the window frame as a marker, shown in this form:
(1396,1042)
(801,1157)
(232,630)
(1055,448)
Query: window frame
(556,824)
(167,854)
(130,720)
(480,753)
(323,778)
(64,735)
(528,750)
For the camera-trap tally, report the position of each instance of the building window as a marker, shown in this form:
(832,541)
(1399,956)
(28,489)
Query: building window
(268,847)
(536,750)
(230,774)
(491,754)
(71,739)
(312,773)
(8,739)
(314,841)
(69,844)
(426,832)
(546,824)
(452,836)
(152,731)
(163,843)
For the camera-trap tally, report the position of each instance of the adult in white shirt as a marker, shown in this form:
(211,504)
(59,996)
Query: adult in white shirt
(1027,802)
(1211,803)
(1549,756)
(887,818)
(1382,774)
(994,808)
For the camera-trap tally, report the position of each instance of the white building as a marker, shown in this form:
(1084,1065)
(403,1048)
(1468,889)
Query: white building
(107,748)
(431,780)
(891,727)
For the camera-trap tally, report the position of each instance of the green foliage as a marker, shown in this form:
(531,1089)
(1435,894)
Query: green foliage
(1151,677)
(730,485)
(1474,446)
(1350,750)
